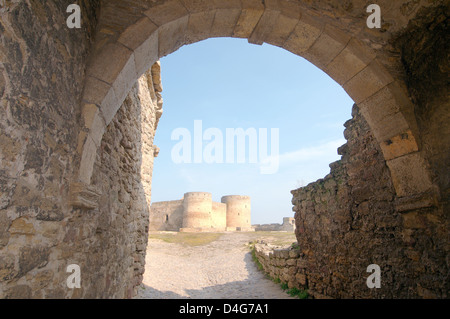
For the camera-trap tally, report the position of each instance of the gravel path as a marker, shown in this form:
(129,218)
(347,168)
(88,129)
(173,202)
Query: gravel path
(220,269)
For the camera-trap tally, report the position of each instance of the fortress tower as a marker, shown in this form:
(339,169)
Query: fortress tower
(197,208)
(238,212)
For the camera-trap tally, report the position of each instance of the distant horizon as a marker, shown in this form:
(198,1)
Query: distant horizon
(231,84)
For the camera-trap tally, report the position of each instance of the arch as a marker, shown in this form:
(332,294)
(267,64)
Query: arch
(121,57)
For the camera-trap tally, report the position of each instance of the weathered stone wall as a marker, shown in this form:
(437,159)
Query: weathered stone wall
(116,245)
(166,216)
(41,80)
(350,219)
(280,264)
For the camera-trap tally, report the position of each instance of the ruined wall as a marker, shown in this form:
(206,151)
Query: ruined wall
(280,264)
(350,219)
(116,245)
(166,216)
(288,225)
(40,234)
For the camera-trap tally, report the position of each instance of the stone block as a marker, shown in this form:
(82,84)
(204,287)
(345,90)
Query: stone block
(166,12)
(109,62)
(83,195)
(281,30)
(327,46)
(264,27)
(291,262)
(399,145)
(135,35)
(109,106)
(225,21)
(125,79)
(294,253)
(94,122)
(22,226)
(390,113)
(199,26)
(404,204)
(87,160)
(413,220)
(303,36)
(368,81)
(409,175)
(378,106)
(94,90)
(31,257)
(147,54)
(247,22)
(350,61)
(172,36)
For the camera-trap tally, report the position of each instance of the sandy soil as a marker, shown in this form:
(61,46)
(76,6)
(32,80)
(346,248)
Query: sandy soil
(220,269)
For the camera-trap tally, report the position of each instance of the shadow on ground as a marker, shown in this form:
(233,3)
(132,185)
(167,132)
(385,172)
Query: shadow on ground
(256,286)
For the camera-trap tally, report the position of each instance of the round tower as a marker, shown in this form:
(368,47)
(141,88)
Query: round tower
(238,211)
(197,207)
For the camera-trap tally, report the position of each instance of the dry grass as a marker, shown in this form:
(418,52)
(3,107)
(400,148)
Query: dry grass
(198,239)
(189,239)
(274,238)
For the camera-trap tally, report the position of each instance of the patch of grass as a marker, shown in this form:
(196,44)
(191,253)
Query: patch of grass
(299,293)
(190,239)
(295,292)
(256,260)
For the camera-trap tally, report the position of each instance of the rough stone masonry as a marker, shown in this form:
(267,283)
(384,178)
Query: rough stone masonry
(79,109)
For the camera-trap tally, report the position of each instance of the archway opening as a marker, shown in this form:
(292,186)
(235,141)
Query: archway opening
(221,84)
(227,84)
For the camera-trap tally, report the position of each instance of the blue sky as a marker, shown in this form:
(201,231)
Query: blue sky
(229,83)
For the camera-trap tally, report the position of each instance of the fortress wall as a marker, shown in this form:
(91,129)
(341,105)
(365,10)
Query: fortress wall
(197,210)
(219,216)
(238,210)
(288,225)
(166,215)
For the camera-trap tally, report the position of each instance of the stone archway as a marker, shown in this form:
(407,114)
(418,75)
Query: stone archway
(124,51)
(45,147)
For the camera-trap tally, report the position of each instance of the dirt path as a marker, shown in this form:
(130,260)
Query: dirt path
(220,269)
